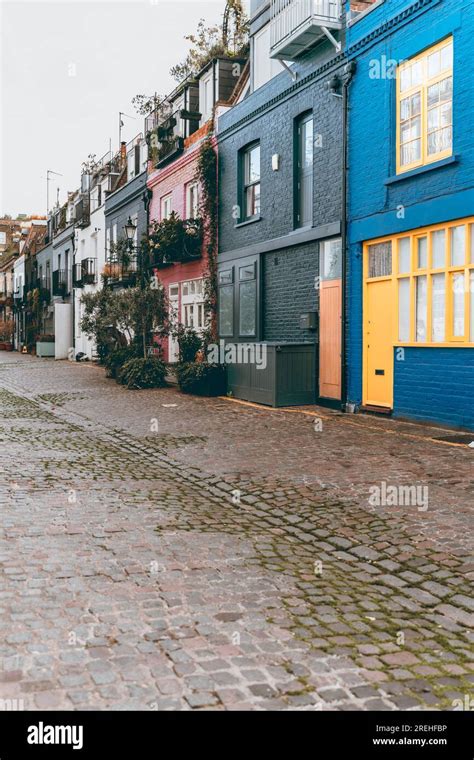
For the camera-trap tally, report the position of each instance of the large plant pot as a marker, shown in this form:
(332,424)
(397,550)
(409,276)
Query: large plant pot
(213,383)
(4,346)
(45,350)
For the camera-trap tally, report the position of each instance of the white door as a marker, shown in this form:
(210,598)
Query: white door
(173,347)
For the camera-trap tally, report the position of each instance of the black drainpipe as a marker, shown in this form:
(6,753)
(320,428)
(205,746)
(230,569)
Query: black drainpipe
(349,72)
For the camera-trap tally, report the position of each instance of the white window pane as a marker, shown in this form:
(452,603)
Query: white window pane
(405,78)
(421,308)
(438,243)
(458,304)
(434,63)
(404,264)
(404,309)
(422,259)
(458,249)
(416,73)
(380,259)
(438,300)
(447,57)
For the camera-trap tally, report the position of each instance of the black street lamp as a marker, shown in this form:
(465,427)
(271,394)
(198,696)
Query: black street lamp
(130,229)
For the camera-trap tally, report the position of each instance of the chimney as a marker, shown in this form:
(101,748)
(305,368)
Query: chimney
(123,154)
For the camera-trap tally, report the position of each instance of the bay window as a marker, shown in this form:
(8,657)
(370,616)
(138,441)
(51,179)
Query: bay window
(425,107)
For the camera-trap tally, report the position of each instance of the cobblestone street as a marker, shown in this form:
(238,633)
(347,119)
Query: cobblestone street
(160,551)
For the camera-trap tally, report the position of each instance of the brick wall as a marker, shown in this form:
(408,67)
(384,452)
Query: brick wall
(273,124)
(436,384)
(289,291)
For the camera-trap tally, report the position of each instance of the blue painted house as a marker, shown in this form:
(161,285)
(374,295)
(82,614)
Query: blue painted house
(410,305)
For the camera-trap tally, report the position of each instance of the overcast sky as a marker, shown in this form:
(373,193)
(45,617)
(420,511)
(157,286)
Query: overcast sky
(67,69)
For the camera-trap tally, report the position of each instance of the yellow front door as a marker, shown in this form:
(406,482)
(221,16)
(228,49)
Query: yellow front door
(378,374)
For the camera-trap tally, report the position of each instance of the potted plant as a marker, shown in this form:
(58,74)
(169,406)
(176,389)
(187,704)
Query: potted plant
(6,335)
(45,346)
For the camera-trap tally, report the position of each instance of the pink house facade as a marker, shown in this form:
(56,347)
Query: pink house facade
(179,127)
(174,189)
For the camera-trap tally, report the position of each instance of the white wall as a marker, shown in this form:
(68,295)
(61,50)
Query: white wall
(90,244)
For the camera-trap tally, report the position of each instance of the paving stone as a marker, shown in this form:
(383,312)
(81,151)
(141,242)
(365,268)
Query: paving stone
(154,577)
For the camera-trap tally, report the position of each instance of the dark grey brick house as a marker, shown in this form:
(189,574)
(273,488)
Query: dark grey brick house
(280,198)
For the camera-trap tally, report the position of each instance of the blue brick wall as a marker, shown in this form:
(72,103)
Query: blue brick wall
(395,30)
(436,384)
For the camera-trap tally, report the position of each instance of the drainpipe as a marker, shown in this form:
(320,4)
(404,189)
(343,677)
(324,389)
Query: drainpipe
(349,71)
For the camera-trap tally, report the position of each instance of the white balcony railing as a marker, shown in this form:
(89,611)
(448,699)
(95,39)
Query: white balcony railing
(289,18)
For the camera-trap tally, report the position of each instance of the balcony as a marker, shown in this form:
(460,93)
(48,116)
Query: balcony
(296,25)
(84,273)
(176,241)
(121,274)
(165,133)
(82,211)
(61,284)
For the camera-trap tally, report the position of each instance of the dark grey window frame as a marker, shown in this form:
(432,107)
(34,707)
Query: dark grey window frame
(298,157)
(244,186)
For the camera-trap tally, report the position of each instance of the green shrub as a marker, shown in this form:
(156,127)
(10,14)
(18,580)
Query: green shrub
(201,379)
(143,373)
(189,343)
(117,358)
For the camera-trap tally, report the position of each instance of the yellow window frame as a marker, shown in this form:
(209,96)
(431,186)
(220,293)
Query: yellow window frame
(422,88)
(467,268)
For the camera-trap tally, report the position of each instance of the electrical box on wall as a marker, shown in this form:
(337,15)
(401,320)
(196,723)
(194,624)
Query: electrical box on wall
(309,321)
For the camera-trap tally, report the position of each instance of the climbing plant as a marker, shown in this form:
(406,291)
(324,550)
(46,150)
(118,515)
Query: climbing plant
(206,175)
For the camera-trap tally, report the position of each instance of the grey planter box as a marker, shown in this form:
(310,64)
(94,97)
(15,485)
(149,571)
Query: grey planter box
(289,379)
(44,350)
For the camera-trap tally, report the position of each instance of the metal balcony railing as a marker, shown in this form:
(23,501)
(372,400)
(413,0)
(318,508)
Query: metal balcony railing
(84,273)
(61,283)
(296,24)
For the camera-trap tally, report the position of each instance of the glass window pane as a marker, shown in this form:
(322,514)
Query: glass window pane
(247,272)
(330,260)
(438,244)
(421,308)
(253,165)
(472,243)
(434,63)
(404,309)
(248,308)
(458,247)
(433,95)
(422,249)
(458,304)
(404,264)
(405,78)
(380,259)
(308,143)
(447,57)
(226,310)
(438,301)
(225,277)
(416,73)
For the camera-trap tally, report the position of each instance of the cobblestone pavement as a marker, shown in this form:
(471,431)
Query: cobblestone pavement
(160,551)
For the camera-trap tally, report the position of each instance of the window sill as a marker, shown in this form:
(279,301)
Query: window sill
(422,170)
(248,221)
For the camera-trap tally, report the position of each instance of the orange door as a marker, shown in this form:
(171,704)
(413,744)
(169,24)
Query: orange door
(330,305)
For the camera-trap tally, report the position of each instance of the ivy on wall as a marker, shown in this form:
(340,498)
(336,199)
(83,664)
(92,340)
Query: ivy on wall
(207,177)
